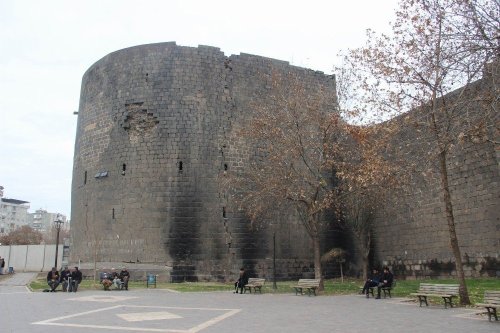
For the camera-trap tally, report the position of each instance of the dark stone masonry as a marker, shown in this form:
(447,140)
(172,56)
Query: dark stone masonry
(411,232)
(156,136)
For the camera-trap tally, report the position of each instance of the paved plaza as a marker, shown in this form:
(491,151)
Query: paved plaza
(156,310)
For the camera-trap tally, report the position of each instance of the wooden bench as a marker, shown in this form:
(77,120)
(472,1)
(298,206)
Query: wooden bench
(254,283)
(308,284)
(445,291)
(491,303)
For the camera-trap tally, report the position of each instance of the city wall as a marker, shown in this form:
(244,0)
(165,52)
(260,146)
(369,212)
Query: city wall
(411,230)
(156,135)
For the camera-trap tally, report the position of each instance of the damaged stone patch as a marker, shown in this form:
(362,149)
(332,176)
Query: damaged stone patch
(138,122)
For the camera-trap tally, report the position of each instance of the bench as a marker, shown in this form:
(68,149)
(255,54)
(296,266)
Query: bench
(308,284)
(254,283)
(445,291)
(386,290)
(491,303)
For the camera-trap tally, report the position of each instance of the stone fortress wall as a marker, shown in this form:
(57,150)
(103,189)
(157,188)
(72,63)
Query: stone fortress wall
(155,135)
(411,232)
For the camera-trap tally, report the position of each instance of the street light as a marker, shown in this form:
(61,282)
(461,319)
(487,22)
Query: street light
(274,261)
(57,224)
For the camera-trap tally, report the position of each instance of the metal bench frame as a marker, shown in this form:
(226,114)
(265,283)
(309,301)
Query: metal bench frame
(445,291)
(255,283)
(491,303)
(308,284)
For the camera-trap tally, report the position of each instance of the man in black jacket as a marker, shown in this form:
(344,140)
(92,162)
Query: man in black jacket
(76,279)
(371,282)
(65,279)
(53,279)
(385,280)
(242,281)
(124,277)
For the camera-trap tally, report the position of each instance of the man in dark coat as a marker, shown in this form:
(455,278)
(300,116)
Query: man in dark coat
(53,279)
(385,280)
(65,278)
(76,279)
(242,281)
(124,277)
(371,282)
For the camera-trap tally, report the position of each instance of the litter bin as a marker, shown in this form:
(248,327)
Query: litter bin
(151,280)
(11,270)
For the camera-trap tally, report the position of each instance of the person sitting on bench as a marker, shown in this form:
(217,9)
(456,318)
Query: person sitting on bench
(76,279)
(106,280)
(53,279)
(385,280)
(371,282)
(124,277)
(65,278)
(116,279)
(241,282)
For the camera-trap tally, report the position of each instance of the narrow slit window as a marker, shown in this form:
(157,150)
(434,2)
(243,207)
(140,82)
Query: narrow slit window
(224,212)
(225,166)
(180,166)
(113,213)
(85,178)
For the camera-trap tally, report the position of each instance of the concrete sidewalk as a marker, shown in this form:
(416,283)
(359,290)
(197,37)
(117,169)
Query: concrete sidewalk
(157,310)
(17,279)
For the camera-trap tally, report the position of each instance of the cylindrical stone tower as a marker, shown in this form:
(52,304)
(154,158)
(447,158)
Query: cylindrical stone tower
(155,135)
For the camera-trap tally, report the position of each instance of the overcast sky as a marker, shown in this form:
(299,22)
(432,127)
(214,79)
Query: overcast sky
(46,46)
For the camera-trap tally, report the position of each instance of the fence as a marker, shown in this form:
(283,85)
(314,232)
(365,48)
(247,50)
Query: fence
(31,258)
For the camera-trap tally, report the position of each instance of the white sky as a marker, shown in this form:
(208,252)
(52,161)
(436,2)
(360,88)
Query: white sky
(46,46)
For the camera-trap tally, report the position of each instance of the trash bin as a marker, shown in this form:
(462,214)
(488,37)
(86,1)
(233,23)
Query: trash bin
(11,270)
(151,280)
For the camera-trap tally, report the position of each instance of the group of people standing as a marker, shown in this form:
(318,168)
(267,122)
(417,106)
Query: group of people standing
(378,280)
(70,279)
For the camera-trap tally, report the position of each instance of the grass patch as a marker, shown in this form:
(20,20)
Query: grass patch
(403,288)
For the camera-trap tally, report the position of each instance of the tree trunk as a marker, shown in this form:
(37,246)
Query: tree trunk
(317,261)
(95,263)
(365,267)
(450,218)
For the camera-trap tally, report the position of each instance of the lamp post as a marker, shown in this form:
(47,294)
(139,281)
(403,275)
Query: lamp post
(57,224)
(274,261)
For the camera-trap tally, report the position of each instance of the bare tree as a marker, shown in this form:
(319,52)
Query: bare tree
(373,173)
(429,63)
(24,235)
(293,163)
